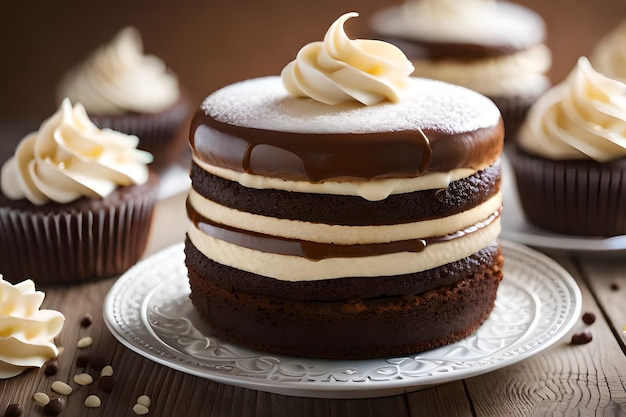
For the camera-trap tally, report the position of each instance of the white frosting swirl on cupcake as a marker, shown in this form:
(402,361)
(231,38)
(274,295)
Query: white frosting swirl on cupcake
(119,78)
(341,69)
(609,55)
(26,332)
(584,117)
(70,157)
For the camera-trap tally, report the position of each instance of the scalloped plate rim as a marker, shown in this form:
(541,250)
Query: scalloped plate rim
(366,389)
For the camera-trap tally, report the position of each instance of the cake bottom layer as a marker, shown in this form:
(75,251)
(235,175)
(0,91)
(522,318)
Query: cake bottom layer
(353,328)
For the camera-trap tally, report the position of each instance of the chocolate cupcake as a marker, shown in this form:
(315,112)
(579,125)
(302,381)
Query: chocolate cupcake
(125,90)
(570,156)
(496,48)
(76,202)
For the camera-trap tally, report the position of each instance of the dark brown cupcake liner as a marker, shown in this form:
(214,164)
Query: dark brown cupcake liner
(573,197)
(78,241)
(161,134)
(514,110)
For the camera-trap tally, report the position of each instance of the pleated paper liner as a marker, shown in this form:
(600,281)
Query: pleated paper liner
(79,241)
(573,197)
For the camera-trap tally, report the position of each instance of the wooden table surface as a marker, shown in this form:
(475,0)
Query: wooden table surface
(565,379)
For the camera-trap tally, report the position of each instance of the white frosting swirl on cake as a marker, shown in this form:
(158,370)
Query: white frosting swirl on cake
(26,332)
(70,157)
(609,55)
(584,117)
(118,78)
(341,69)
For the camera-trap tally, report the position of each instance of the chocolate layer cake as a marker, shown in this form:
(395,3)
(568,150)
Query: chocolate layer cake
(354,232)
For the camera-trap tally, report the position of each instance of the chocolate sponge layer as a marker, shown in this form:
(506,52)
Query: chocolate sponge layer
(351,328)
(461,195)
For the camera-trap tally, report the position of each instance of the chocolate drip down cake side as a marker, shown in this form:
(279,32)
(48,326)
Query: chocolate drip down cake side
(345,210)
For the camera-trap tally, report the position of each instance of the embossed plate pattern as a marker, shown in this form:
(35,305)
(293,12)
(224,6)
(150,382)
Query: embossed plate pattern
(149,311)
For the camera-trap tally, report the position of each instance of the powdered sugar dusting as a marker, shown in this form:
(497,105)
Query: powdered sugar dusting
(263,103)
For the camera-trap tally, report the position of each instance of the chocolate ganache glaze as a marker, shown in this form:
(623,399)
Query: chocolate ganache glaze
(319,157)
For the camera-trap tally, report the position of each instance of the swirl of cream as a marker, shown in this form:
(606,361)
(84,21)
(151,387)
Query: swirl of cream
(118,78)
(69,157)
(584,117)
(26,332)
(341,69)
(609,55)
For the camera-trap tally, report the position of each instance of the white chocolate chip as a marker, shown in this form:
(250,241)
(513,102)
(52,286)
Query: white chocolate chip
(140,410)
(144,400)
(93,401)
(83,379)
(41,398)
(107,371)
(84,342)
(61,388)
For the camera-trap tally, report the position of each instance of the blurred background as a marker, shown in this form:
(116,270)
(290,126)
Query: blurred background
(211,43)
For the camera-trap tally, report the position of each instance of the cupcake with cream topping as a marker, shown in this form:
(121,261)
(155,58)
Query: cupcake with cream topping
(496,48)
(76,201)
(27,331)
(570,156)
(609,54)
(344,209)
(124,89)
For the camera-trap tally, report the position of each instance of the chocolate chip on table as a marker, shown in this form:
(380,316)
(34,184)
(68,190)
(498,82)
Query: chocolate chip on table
(106,383)
(82,360)
(51,367)
(581,338)
(589,318)
(86,320)
(54,407)
(13,410)
(97,363)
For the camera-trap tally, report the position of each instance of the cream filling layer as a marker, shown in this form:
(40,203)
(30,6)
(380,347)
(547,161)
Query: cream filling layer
(296,268)
(375,190)
(338,234)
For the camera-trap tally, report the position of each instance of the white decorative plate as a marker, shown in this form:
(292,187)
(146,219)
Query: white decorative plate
(149,311)
(515,227)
